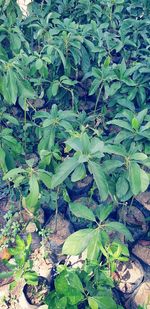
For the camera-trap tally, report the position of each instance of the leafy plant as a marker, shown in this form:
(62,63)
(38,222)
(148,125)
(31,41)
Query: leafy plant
(31,177)
(21,268)
(96,239)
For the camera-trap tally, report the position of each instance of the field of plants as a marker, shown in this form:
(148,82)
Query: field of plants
(75,154)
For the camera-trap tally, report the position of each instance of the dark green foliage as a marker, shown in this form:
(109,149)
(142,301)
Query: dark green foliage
(75,92)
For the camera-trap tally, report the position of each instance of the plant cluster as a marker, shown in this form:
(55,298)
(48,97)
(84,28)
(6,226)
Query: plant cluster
(75,92)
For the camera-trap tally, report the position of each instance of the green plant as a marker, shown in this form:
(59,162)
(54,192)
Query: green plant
(21,268)
(31,177)
(96,239)
(90,284)
(87,152)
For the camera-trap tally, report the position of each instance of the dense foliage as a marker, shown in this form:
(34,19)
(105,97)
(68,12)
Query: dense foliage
(75,92)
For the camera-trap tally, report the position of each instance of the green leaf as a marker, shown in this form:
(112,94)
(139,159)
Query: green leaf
(141,115)
(11,81)
(31,275)
(122,186)
(99,178)
(107,62)
(111,165)
(85,141)
(55,87)
(45,177)
(138,156)
(77,242)
(11,119)
(2,160)
(67,283)
(74,143)
(20,243)
(95,85)
(144,180)
(13,173)
(81,211)
(121,228)
(38,64)
(63,171)
(92,303)
(25,90)
(105,301)
(135,124)
(115,149)
(135,177)
(29,240)
(113,88)
(93,248)
(79,173)
(104,211)
(123,135)
(121,123)
(31,200)
(61,56)
(4,275)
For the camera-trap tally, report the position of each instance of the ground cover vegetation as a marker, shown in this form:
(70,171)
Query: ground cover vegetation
(74,121)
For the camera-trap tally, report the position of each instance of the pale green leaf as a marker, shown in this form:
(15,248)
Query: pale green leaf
(100,179)
(77,242)
(135,177)
(81,211)
(63,171)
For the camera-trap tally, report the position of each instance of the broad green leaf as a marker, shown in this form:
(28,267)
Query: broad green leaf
(111,165)
(144,180)
(13,173)
(107,62)
(105,301)
(63,171)
(95,85)
(29,240)
(93,248)
(55,87)
(45,177)
(77,242)
(11,119)
(122,186)
(74,143)
(138,156)
(141,115)
(38,64)
(79,173)
(92,303)
(68,283)
(96,146)
(12,86)
(121,123)
(135,124)
(115,149)
(61,56)
(113,88)
(135,177)
(31,200)
(123,135)
(25,89)
(121,228)
(99,178)
(85,143)
(104,211)
(4,275)
(2,160)
(81,211)
(20,243)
